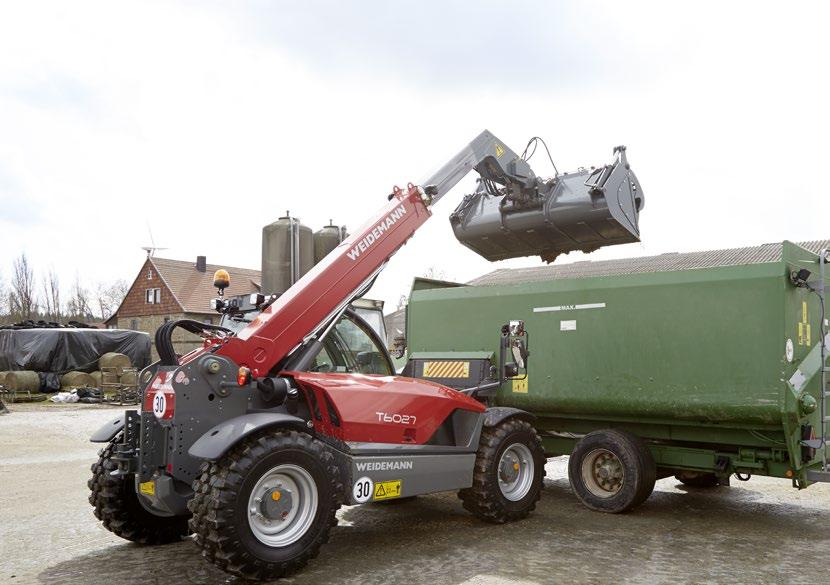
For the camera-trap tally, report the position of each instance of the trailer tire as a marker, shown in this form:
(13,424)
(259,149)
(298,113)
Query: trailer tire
(118,508)
(496,495)
(241,542)
(697,480)
(612,471)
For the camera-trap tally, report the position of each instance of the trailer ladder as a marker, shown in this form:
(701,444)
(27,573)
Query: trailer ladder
(822,475)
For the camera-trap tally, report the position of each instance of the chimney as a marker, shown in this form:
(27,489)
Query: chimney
(201,263)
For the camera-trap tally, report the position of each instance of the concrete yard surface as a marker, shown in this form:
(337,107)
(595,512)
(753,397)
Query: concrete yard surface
(762,531)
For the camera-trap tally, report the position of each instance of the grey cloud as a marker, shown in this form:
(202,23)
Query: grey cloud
(451,43)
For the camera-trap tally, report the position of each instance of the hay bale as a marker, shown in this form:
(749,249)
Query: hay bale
(129,378)
(114,360)
(77,380)
(96,379)
(23,381)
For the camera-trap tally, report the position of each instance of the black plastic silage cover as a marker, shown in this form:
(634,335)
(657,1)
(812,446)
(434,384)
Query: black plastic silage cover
(66,350)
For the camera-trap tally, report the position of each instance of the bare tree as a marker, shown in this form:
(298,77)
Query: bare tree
(110,295)
(78,307)
(435,273)
(22,301)
(52,296)
(4,297)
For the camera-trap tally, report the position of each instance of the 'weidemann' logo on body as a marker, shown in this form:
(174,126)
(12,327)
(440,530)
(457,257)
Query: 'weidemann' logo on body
(373,236)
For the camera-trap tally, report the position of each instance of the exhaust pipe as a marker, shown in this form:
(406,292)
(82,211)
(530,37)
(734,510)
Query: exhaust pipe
(584,210)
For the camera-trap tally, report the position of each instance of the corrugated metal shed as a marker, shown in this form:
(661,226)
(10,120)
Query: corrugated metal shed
(663,263)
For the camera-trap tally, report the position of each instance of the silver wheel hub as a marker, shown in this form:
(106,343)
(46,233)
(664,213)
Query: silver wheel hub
(515,472)
(282,505)
(602,473)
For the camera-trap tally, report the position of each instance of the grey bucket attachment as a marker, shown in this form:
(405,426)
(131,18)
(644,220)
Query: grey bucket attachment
(584,211)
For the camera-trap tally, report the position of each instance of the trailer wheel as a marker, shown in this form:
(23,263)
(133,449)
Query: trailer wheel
(697,480)
(117,506)
(612,471)
(264,509)
(508,473)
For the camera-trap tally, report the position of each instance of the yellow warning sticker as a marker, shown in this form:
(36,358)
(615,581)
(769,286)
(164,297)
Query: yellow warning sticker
(499,150)
(148,487)
(520,386)
(446,369)
(804,333)
(386,490)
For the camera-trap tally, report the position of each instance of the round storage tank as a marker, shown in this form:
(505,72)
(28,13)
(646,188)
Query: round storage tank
(287,254)
(326,240)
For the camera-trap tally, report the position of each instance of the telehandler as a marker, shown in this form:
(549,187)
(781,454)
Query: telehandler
(254,441)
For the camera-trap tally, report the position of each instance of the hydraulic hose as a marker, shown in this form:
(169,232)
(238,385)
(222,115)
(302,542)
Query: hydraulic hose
(164,337)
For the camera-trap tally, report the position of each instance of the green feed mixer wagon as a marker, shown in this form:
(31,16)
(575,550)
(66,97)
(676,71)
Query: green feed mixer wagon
(702,366)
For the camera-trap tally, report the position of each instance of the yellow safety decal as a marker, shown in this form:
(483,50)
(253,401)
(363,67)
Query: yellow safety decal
(148,487)
(446,369)
(499,150)
(520,386)
(804,337)
(386,490)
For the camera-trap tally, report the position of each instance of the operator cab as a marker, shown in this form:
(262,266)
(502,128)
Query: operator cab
(354,345)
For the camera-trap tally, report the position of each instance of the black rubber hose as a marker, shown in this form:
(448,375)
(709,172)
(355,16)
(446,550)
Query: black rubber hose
(164,337)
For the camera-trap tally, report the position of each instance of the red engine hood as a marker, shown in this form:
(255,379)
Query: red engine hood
(382,409)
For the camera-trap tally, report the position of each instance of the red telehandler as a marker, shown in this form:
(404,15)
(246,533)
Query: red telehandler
(255,440)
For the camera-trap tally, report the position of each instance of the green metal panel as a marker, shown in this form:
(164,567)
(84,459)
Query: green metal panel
(699,353)
(451,355)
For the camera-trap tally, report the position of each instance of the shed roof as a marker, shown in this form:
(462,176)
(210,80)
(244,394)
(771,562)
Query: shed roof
(668,262)
(193,289)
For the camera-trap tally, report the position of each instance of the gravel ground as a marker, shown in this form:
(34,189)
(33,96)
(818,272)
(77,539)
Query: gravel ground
(763,531)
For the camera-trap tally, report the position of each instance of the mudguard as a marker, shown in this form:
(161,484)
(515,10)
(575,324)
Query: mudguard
(496,414)
(219,439)
(107,432)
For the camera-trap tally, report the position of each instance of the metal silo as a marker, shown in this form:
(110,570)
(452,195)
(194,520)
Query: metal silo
(287,253)
(326,240)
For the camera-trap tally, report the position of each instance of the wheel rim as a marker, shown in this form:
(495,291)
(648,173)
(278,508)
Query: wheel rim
(282,505)
(515,471)
(603,473)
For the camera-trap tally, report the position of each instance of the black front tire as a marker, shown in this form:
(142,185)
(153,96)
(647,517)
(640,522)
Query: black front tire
(612,471)
(118,508)
(485,499)
(220,505)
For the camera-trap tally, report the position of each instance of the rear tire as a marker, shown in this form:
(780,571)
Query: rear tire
(118,508)
(508,473)
(697,480)
(612,471)
(264,509)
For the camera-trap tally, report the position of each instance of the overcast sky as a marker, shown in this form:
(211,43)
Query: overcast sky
(206,120)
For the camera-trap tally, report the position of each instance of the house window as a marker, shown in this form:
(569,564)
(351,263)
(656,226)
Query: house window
(153,296)
(134,324)
(149,274)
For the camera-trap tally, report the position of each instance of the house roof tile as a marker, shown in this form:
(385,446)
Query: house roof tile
(194,289)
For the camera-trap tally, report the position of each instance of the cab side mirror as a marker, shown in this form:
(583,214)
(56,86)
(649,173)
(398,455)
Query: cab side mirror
(514,343)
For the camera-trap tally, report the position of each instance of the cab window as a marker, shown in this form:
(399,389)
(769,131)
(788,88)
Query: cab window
(349,348)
